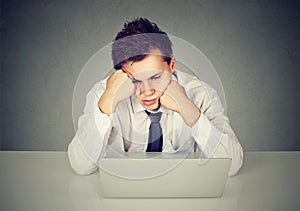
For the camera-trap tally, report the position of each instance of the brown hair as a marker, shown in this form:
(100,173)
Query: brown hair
(137,39)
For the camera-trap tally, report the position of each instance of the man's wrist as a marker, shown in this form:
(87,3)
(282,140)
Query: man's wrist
(107,103)
(189,112)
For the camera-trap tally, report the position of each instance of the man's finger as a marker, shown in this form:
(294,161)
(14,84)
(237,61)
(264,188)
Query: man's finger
(128,73)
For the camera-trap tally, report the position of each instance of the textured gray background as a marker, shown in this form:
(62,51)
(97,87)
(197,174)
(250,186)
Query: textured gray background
(254,46)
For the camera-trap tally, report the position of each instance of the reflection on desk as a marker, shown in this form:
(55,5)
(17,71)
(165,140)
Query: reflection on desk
(44,181)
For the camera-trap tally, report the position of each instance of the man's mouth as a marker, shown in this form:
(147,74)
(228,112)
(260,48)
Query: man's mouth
(149,102)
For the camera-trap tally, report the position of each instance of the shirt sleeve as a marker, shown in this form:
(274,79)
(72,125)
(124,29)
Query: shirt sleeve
(94,128)
(212,131)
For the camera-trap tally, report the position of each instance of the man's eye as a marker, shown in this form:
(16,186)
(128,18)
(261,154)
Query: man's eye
(155,77)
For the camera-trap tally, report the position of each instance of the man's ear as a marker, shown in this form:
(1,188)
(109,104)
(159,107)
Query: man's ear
(173,64)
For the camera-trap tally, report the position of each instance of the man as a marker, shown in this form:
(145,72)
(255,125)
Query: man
(147,105)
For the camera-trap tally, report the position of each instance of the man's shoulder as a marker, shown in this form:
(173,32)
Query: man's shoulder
(97,88)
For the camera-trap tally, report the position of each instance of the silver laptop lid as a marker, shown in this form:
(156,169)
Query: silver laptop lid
(162,175)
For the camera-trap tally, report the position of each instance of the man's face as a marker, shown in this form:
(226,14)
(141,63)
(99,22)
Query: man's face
(150,76)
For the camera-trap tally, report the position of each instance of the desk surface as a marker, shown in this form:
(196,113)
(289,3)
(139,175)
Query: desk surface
(44,181)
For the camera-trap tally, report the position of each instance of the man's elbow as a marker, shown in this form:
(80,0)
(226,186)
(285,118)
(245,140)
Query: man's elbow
(79,162)
(236,164)
(83,171)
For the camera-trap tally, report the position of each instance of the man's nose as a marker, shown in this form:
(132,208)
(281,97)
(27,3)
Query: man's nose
(146,88)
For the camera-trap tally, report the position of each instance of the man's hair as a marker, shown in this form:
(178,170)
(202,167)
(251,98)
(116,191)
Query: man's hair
(137,39)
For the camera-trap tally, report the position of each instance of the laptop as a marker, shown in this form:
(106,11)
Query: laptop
(162,175)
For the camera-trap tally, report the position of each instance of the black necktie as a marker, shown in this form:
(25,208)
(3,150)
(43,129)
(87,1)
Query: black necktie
(155,140)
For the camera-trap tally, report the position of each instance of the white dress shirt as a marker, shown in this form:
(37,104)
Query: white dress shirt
(127,128)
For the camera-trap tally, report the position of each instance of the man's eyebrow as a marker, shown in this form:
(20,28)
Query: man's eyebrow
(135,80)
(126,71)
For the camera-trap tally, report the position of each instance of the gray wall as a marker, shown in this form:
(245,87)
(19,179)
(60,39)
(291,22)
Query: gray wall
(254,46)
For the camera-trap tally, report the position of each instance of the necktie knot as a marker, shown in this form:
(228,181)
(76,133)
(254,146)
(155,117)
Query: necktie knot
(154,117)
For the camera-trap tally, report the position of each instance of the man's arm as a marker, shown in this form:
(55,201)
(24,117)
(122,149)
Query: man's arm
(78,159)
(205,115)
(175,99)
(94,126)
(213,133)
(86,146)
(118,88)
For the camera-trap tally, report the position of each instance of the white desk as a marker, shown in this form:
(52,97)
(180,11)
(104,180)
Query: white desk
(33,181)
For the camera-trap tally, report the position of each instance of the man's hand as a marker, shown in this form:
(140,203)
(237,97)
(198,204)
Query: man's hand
(118,88)
(175,99)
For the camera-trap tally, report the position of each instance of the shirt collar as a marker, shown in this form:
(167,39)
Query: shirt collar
(136,106)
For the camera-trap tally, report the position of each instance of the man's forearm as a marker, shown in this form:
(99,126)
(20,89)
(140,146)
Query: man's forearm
(106,103)
(189,112)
